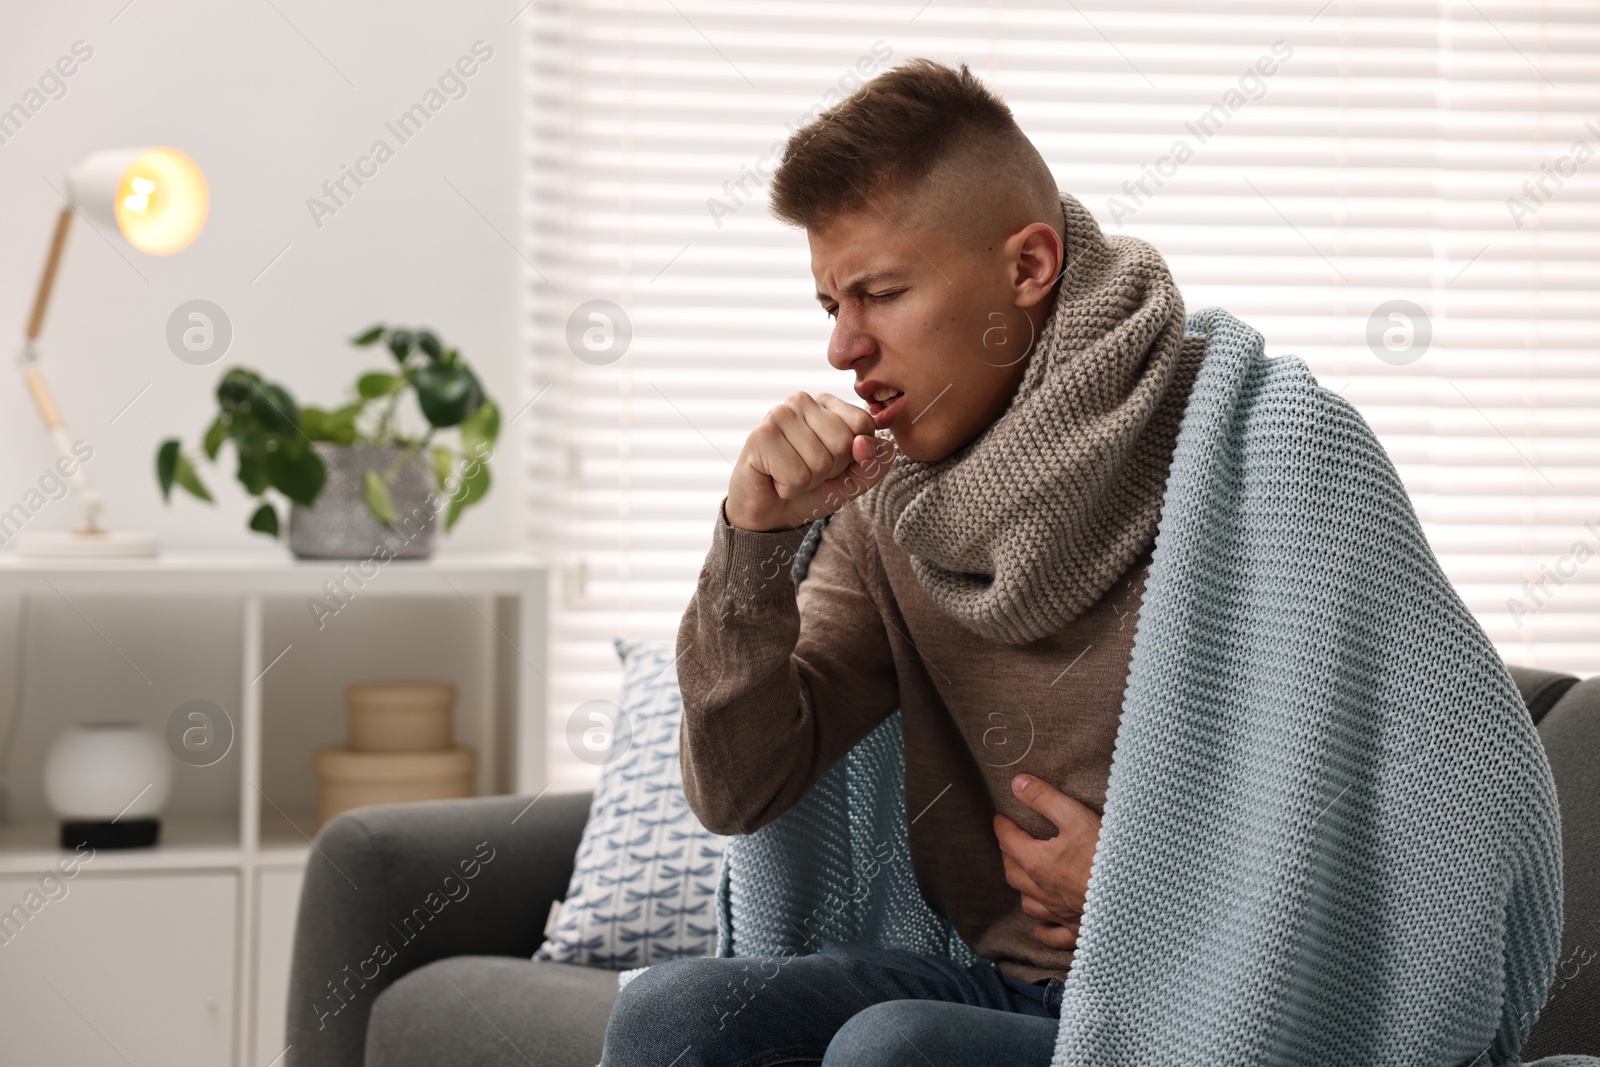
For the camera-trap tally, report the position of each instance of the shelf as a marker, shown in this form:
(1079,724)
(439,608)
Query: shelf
(478,619)
(186,844)
(285,841)
(267,574)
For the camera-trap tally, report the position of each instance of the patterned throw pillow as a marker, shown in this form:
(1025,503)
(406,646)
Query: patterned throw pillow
(644,886)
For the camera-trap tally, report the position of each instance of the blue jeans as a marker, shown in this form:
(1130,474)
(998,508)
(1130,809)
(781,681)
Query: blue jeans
(845,1004)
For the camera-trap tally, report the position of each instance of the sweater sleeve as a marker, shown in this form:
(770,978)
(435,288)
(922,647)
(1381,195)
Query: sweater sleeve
(776,687)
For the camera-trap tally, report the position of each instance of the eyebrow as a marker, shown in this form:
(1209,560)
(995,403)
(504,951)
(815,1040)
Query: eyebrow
(861,284)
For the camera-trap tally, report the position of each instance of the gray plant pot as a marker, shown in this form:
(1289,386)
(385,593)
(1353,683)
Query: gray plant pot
(339,526)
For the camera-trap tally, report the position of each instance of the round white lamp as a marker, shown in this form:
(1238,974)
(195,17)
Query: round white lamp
(107,782)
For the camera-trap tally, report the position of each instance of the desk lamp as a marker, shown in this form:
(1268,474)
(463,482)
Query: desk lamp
(156,198)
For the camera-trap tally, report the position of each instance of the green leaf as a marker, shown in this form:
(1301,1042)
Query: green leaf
(296,472)
(400,344)
(234,389)
(378,384)
(246,399)
(338,426)
(430,345)
(479,430)
(369,336)
(376,494)
(251,445)
(314,423)
(217,434)
(167,466)
(473,488)
(190,480)
(343,421)
(444,462)
(252,472)
(265,520)
(274,409)
(444,393)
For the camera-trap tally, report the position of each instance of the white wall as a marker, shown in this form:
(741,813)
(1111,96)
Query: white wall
(270,110)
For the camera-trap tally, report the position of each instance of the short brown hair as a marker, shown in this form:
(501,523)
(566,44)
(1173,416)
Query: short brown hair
(892,133)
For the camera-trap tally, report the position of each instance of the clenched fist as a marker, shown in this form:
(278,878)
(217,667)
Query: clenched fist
(809,457)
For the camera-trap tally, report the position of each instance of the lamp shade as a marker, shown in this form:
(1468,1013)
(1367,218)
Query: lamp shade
(106,771)
(156,197)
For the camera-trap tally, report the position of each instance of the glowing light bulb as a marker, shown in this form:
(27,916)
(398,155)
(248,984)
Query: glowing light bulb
(162,201)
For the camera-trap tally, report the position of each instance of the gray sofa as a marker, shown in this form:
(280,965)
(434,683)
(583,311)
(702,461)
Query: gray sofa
(462,990)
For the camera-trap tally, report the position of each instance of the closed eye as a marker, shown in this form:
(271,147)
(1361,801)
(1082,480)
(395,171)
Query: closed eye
(876,298)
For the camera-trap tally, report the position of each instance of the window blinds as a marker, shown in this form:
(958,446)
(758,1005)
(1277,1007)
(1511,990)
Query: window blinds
(1405,195)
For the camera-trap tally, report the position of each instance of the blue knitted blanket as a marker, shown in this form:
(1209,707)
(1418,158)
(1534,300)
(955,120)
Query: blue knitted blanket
(1330,834)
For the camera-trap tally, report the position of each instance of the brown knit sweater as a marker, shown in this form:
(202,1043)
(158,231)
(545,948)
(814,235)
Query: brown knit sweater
(778,686)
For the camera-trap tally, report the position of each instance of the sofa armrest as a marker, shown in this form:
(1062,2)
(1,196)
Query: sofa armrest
(1541,689)
(1569,1021)
(391,888)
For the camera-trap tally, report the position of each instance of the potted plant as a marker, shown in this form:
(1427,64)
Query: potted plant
(356,484)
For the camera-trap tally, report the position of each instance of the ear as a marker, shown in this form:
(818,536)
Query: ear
(1039,257)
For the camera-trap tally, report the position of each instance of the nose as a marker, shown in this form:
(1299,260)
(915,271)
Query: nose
(848,342)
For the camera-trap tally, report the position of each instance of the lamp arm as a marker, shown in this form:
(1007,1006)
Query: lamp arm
(93,502)
(47,280)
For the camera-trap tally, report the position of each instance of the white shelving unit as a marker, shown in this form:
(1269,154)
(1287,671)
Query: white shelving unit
(260,850)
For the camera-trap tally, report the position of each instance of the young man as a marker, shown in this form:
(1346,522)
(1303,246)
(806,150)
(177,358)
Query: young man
(994,491)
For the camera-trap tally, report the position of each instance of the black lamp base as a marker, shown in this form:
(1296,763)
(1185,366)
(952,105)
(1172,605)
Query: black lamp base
(128,833)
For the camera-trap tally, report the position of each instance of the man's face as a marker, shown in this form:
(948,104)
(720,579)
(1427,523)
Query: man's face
(920,313)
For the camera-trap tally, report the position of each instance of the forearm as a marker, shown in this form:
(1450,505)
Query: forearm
(740,691)
(771,700)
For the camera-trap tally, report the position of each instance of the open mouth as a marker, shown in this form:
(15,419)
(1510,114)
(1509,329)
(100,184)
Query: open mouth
(882,397)
(884,406)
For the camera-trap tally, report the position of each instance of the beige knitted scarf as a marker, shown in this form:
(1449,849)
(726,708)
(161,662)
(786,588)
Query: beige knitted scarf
(1028,525)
